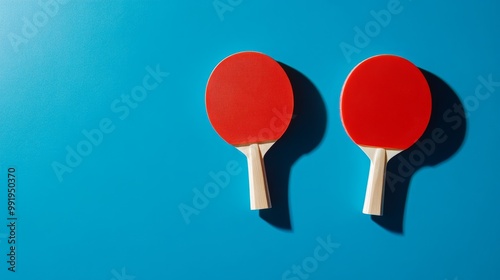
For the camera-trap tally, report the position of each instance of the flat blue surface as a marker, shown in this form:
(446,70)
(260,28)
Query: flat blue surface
(67,70)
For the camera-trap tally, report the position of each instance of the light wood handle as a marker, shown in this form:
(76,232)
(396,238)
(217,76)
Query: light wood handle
(259,193)
(374,198)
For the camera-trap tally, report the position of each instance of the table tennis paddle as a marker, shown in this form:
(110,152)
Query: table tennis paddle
(385,107)
(245,96)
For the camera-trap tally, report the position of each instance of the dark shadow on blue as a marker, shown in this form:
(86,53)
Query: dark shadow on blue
(442,139)
(304,133)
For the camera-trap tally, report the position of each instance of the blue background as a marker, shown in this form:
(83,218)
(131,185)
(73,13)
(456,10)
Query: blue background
(116,215)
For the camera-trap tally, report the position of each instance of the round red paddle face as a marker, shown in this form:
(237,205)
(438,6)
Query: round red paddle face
(385,103)
(249,99)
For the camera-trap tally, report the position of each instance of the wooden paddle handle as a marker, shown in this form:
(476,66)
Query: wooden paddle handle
(374,198)
(259,193)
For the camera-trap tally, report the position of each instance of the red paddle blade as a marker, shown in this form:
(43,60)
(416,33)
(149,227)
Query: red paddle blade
(246,96)
(385,103)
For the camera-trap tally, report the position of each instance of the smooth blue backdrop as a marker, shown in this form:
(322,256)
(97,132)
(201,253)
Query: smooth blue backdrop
(119,208)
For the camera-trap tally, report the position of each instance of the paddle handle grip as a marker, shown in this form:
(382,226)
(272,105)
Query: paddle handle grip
(259,193)
(374,198)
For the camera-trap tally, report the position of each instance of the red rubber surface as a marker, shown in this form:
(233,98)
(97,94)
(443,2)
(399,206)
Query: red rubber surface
(386,103)
(246,97)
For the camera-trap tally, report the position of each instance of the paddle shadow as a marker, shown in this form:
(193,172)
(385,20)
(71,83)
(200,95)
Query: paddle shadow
(304,133)
(441,140)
